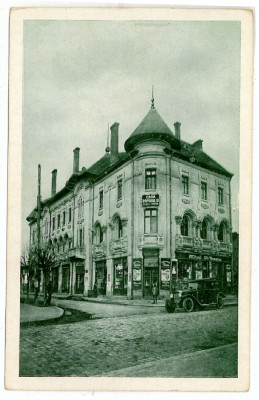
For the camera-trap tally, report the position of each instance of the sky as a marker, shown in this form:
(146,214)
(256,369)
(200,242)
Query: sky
(78,76)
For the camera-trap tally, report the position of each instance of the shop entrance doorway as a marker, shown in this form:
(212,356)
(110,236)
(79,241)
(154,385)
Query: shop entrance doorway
(120,276)
(151,270)
(55,279)
(101,278)
(79,289)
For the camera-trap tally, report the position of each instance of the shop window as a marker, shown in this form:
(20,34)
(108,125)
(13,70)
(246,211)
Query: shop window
(204,229)
(151,223)
(58,220)
(150,179)
(220,195)
(204,191)
(185,184)
(119,189)
(69,214)
(101,199)
(185,226)
(64,217)
(222,232)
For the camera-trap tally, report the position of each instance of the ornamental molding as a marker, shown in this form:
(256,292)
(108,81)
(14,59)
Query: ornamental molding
(204,205)
(221,210)
(186,201)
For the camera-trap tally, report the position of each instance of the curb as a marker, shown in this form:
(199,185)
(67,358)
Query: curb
(41,321)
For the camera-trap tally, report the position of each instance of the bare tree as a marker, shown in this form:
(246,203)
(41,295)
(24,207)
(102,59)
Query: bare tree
(27,263)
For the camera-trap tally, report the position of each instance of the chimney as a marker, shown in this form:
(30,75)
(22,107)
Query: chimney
(198,144)
(177,128)
(115,140)
(54,182)
(76,160)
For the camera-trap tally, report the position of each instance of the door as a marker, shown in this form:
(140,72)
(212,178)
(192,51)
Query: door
(55,280)
(101,278)
(120,276)
(151,276)
(79,289)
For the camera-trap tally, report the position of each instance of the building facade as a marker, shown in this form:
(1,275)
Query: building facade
(158,212)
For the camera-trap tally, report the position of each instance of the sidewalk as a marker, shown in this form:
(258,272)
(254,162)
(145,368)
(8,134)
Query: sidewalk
(228,301)
(215,362)
(31,314)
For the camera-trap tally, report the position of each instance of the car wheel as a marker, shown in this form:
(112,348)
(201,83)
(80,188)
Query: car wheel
(220,301)
(170,308)
(188,304)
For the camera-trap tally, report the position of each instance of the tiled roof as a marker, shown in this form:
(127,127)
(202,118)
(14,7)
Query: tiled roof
(152,126)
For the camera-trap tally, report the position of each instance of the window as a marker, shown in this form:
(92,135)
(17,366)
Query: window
(220,195)
(150,179)
(81,237)
(118,228)
(204,229)
(151,221)
(185,182)
(204,194)
(222,232)
(101,199)
(58,220)
(185,226)
(99,234)
(119,189)
(69,214)
(53,223)
(64,217)
(80,208)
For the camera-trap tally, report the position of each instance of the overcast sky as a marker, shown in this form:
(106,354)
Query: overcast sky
(81,75)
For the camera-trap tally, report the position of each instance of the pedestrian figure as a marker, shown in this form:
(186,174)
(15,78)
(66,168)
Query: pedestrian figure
(154,292)
(49,293)
(36,289)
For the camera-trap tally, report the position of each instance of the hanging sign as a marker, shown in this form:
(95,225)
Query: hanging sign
(150,200)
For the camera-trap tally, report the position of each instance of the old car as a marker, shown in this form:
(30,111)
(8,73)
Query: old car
(195,294)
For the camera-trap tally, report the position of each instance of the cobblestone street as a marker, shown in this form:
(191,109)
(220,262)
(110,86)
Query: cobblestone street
(100,346)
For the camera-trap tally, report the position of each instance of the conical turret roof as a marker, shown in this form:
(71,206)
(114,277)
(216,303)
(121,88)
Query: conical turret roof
(151,127)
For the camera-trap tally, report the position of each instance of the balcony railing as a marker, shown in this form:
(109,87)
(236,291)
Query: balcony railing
(119,245)
(77,252)
(99,250)
(151,240)
(185,242)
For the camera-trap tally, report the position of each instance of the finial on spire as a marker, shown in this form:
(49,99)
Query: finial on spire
(152,100)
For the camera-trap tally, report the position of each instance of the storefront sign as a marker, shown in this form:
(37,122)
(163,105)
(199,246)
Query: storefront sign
(228,276)
(150,200)
(137,273)
(151,262)
(194,257)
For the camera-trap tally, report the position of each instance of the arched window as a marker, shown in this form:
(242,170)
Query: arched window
(185,226)
(222,232)
(99,234)
(118,227)
(204,229)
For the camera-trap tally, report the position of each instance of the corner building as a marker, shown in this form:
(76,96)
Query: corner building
(158,212)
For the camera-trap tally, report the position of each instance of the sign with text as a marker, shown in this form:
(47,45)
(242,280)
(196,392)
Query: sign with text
(137,273)
(149,200)
(165,273)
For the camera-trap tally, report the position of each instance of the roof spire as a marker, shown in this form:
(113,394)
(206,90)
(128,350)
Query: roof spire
(152,100)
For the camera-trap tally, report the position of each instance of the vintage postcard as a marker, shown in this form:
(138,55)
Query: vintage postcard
(129,199)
